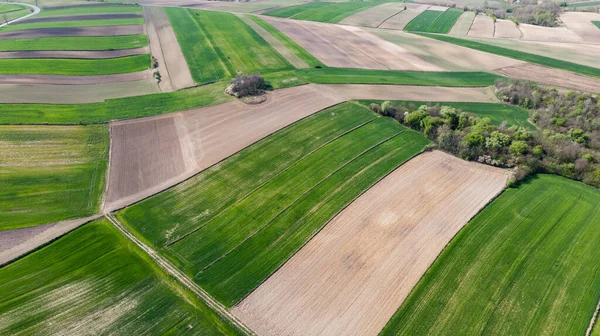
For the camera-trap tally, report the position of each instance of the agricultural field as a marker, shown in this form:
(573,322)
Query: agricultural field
(596,23)
(97,43)
(331,12)
(24,25)
(528,261)
(75,67)
(89,10)
(435,21)
(50,173)
(94,280)
(373,17)
(12,11)
(400,20)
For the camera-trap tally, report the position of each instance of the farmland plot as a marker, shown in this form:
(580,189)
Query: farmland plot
(82,31)
(75,67)
(75,43)
(95,281)
(553,77)
(444,23)
(408,92)
(87,9)
(332,12)
(549,34)
(423,21)
(24,25)
(357,271)
(582,24)
(374,16)
(482,26)
(463,24)
(400,20)
(527,264)
(506,29)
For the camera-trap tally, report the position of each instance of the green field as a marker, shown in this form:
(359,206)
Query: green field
(523,56)
(290,11)
(287,187)
(69,24)
(498,113)
(445,22)
(75,43)
(92,10)
(307,57)
(7,8)
(332,12)
(95,281)
(525,265)
(50,173)
(596,23)
(583,4)
(423,21)
(75,67)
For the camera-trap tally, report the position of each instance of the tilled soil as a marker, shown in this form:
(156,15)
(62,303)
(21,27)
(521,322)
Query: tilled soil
(550,76)
(581,24)
(482,26)
(549,34)
(403,18)
(506,29)
(81,18)
(410,92)
(75,80)
(80,54)
(354,274)
(75,31)
(374,16)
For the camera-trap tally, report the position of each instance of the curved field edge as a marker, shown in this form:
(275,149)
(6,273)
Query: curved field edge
(95,280)
(526,264)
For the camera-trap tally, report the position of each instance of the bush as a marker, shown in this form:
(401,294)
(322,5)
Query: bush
(518,147)
(545,14)
(247,85)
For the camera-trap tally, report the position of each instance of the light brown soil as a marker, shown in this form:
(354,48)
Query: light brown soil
(401,20)
(166,50)
(15,243)
(80,18)
(408,92)
(83,54)
(349,47)
(355,273)
(506,29)
(482,26)
(463,24)
(151,154)
(581,24)
(548,34)
(77,31)
(374,16)
(74,94)
(75,80)
(550,76)
(438,8)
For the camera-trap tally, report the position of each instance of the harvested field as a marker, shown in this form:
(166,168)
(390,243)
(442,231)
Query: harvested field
(482,26)
(554,77)
(80,54)
(197,139)
(582,25)
(374,16)
(463,24)
(506,29)
(358,270)
(400,20)
(549,34)
(407,92)
(83,31)
(163,43)
(80,18)
(350,47)
(75,80)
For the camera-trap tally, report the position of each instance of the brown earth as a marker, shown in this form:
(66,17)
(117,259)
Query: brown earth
(408,92)
(80,18)
(506,29)
(349,47)
(399,21)
(548,34)
(554,77)
(482,26)
(76,31)
(151,154)
(374,16)
(581,24)
(354,274)
(81,54)
(77,6)
(463,24)
(75,80)
(166,50)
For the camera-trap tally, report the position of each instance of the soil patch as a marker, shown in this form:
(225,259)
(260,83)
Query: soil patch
(482,26)
(76,31)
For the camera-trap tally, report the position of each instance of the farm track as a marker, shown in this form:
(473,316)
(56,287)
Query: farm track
(182,278)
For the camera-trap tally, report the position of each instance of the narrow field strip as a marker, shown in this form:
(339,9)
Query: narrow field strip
(444,23)
(528,261)
(80,18)
(322,11)
(75,67)
(73,31)
(75,43)
(423,21)
(82,54)
(93,280)
(86,10)
(70,24)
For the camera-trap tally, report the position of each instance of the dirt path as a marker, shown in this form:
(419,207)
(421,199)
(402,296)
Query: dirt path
(75,80)
(77,31)
(408,92)
(554,77)
(36,10)
(593,321)
(80,54)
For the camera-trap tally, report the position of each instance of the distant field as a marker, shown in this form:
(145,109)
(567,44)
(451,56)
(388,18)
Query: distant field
(95,281)
(75,67)
(583,4)
(305,166)
(423,21)
(83,10)
(445,22)
(12,11)
(333,12)
(596,23)
(528,261)
(75,43)
(7,8)
(68,24)
(50,173)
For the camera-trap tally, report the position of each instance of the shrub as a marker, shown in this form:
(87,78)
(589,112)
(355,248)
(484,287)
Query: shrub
(518,147)
(247,85)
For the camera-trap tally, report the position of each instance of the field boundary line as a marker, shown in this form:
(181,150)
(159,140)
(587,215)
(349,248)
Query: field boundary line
(169,244)
(107,174)
(593,321)
(389,17)
(181,277)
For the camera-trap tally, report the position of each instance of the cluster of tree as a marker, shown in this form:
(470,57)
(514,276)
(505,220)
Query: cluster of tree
(544,14)
(247,85)
(571,149)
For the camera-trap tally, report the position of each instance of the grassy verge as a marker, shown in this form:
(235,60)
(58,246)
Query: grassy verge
(523,56)
(527,262)
(96,281)
(75,67)
(307,57)
(75,43)
(423,21)
(90,10)
(50,173)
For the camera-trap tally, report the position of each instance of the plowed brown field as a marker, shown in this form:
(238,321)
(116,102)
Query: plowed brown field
(355,273)
(550,76)
(506,29)
(548,34)
(581,24)
(403,18)
(482,26)
(76,80)
(78,31)
(410,92)
(374,16)
(79,54)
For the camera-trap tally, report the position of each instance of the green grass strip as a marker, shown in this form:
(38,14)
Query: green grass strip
(523,56)
(307,57)
(69,24)
(75,43)
(75,67)
(423,21)
(333,12)
(289,11)
(527,262)
(95,278)
(445,22)
(84,10)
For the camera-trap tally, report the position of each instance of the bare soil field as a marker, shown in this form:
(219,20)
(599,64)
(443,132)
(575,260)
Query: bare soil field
(438,8)
(80,54)
(506,29)
(374,16)
(482,26)
(581,24)
(349,47)
(75,80)
(74,94)
(554,77)
(151,154)
(86,4)
(463,24)
(549,34)
(78,31)
(15,243)
(408,92)
(354,274)
(163,41)
(81,18)
(399,21)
